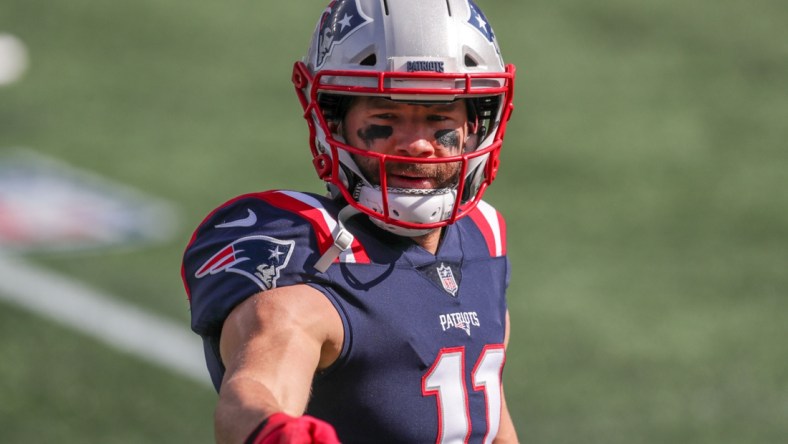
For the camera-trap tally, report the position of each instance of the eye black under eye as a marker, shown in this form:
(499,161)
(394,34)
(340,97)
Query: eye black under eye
(374,132)
(448,138)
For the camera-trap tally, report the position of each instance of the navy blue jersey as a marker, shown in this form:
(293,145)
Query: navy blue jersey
(423,352)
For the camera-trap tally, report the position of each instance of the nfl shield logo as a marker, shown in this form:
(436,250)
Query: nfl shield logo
(447,279)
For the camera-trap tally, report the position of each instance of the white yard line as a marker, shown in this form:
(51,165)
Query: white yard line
(107,319)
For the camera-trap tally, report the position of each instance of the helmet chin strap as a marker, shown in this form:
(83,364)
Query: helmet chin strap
(442,200)
(408,205)
(401,231)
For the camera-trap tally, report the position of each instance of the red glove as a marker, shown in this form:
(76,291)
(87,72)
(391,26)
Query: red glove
(281,428)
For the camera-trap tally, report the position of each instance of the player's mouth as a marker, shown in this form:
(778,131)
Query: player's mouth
(410,181)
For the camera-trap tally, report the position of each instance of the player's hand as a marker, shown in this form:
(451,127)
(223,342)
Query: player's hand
(281,428)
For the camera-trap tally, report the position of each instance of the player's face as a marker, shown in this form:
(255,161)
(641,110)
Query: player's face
(411,130)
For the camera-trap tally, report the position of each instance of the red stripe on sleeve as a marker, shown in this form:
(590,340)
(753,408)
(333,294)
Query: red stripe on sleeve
(316,217)
(308,212)
(485,228)
(502,226)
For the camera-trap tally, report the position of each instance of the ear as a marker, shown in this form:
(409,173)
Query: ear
(473,117)
(472,139)
(471,142)
(338,130)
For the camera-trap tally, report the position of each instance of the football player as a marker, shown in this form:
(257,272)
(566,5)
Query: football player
(376,313)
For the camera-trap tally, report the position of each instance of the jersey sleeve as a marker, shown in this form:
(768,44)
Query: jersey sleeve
(250,244)
(492,226)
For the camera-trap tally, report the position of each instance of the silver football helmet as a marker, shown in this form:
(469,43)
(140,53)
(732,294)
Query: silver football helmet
(413,51)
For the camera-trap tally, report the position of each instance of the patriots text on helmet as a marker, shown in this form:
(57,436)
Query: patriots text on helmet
(423,65)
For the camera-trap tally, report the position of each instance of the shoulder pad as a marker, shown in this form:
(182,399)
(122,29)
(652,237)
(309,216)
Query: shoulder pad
(254,243)
(492,226)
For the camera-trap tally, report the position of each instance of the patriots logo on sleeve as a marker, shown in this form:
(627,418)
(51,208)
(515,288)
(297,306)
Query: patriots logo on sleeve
(259,258)
(339,20)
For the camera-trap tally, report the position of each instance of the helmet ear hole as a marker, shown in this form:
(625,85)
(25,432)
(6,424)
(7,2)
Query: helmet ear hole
(370,60)
(470,62)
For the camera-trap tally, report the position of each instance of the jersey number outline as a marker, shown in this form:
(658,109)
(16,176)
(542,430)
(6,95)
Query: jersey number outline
(446,381)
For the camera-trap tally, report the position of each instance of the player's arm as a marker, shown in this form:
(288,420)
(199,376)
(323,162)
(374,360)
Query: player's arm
(271,346)
(506,432)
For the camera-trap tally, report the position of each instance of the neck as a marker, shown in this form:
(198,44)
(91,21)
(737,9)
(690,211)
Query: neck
(429,241)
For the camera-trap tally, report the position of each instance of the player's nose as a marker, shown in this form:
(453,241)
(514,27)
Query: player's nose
(415,142)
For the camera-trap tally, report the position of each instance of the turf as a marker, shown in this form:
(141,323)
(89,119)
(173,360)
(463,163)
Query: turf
(643,181)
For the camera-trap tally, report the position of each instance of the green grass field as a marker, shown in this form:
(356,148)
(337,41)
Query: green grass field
(644,182)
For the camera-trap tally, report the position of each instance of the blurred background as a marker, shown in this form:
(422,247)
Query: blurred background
(644,181)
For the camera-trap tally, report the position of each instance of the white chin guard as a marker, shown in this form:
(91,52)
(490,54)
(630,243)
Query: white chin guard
(409,205)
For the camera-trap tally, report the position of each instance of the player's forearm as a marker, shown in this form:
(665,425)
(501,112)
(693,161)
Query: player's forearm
(243,404)
(506,435)
(506,431)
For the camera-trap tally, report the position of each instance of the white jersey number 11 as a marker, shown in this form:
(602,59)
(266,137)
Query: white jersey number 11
(446,380)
